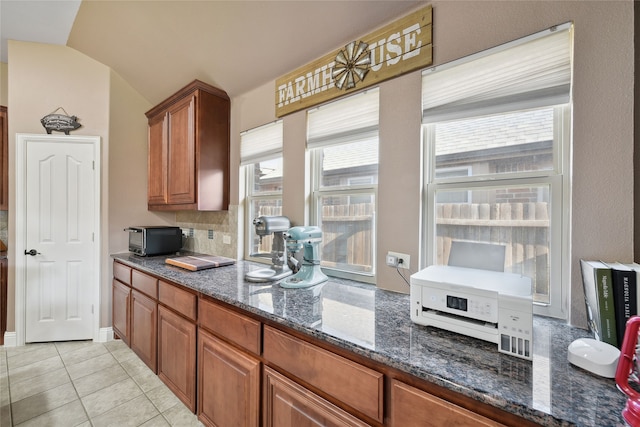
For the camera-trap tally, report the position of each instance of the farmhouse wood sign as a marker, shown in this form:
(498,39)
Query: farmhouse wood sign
(398,48)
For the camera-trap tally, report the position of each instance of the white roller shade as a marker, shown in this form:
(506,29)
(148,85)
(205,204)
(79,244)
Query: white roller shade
(261,143)
(343,121)
(531,72)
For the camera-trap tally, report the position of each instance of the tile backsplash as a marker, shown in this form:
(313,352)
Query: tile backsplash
(212,233)
(4,226)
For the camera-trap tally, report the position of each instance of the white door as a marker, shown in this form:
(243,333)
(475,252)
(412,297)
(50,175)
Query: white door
(60,247)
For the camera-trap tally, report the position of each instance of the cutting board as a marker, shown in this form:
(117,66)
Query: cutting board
(200,262)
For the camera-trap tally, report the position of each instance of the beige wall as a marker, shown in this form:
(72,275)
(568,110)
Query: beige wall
(602,168)
(44,77)
(126,187)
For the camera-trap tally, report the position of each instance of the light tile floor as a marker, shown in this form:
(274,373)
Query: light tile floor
(82,383)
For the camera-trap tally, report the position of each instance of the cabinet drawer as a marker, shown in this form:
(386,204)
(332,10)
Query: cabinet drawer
(122,273)
(177,299)
(410,406)
(230,325)
(351,383)
(145,283)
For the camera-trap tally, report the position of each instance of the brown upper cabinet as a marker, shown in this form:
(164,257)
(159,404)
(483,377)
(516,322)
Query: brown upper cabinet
(189,150)
(4,160)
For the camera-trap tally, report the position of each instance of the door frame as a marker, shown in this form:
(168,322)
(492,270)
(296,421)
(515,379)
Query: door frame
(20,240)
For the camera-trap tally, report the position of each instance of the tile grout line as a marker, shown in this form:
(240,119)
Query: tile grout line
(144,393)
(73,384)
(9,386)
(6,365)
(65,365)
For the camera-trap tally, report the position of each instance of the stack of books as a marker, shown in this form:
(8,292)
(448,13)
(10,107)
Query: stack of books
(611,296)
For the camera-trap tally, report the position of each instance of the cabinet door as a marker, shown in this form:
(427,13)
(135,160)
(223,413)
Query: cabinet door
(287,404)
(121,310)
(177,355)
(181,186)
(144,315)
(413,407)
(157,161)
(228,384)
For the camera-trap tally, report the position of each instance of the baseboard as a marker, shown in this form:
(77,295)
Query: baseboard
(106,334)
(10,339)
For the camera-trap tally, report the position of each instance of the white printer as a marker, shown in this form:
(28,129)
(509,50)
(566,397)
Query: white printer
(490,305)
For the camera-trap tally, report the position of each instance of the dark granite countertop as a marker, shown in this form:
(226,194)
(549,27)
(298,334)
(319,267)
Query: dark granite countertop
(375,323)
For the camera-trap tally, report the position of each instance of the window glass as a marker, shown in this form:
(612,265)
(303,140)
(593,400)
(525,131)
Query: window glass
(520,141)
(265,206)
(261,158)
(348,230)
(516,217)
(267,176)
(497,141)
(350,164)
(343,141)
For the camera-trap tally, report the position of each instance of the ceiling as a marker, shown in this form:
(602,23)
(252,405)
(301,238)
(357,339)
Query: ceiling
(160,46)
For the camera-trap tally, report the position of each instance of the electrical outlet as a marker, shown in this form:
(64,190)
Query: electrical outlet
(392,260)
(396,259)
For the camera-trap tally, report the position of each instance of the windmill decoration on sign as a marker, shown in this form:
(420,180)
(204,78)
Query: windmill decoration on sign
(60,122)
(352,65)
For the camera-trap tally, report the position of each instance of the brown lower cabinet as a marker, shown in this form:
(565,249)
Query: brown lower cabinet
(287,404)
(229,384)
(177,355)
(234,369)
(121,313)
(144,324)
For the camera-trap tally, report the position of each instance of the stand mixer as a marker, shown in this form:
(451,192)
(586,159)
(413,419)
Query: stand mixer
(276,225)
(309,274)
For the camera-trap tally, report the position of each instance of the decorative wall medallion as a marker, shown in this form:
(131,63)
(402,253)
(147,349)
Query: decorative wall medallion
(352,65)
(60,122)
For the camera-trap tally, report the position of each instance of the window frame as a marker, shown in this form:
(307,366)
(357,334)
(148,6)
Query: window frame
(558,178)
(318,192)
(251,196)
(559,186)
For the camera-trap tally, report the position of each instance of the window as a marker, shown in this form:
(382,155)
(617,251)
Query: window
(261,156)
(343,141)
(497,136)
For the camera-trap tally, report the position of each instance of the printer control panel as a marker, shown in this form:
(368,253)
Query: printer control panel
(476,307)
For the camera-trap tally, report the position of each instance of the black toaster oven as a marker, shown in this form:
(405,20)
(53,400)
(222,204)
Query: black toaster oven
(154,240)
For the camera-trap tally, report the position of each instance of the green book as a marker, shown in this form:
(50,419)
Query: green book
(598,290)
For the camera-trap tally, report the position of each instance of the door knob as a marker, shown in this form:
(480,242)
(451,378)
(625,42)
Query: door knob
(32,252)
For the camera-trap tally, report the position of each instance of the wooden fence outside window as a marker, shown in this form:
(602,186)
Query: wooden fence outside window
(523,228)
